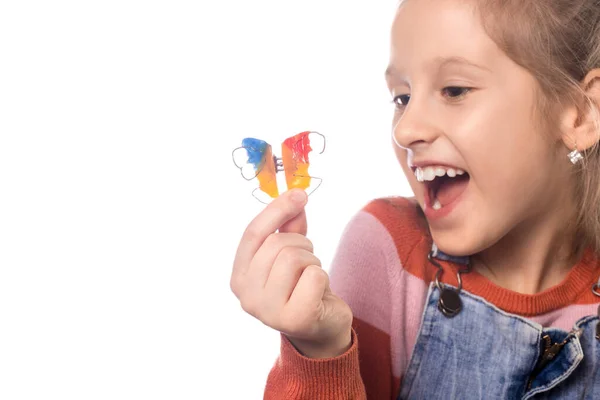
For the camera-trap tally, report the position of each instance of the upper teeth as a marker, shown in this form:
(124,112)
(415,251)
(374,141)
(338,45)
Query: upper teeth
(429,173)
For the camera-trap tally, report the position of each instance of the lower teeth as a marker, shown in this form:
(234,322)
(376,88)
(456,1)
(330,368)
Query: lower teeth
(437,205)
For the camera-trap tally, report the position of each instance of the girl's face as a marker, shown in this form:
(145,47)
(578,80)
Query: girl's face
(463,105)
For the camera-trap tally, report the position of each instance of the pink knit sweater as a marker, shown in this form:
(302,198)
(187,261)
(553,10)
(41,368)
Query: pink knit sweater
(381,270)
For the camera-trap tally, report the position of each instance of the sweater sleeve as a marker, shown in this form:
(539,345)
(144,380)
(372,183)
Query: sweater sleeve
(295,376)
(359,275)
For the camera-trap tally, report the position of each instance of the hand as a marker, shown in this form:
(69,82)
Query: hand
(279,280)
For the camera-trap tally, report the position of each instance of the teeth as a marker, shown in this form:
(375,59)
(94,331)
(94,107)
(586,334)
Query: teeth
(439,171)
(428,174)
(419,174)
(436,205)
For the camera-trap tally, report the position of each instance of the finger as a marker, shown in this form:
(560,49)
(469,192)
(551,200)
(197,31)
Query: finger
(307,296)
(264,260)
(287,268)
(296,225)
(285,274)
(279,211)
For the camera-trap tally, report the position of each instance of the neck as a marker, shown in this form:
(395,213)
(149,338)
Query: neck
(535,256)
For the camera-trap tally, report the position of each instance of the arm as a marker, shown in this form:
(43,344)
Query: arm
(359,276)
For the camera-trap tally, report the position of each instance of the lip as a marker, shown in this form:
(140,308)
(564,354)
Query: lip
(431,163)
(436,215)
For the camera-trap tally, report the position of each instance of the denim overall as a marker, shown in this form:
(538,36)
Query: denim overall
(486,353)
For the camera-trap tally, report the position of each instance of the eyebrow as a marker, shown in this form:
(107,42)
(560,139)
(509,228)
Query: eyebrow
(440,62)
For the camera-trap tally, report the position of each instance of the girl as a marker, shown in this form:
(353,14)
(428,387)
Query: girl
(485,284)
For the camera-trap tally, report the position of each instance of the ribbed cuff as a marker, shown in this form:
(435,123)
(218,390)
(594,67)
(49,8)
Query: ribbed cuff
(325,378)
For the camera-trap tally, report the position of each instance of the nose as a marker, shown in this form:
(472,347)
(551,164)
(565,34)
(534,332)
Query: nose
(415,127)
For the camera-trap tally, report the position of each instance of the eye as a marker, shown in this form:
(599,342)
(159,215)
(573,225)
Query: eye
(455,92)
(401,100)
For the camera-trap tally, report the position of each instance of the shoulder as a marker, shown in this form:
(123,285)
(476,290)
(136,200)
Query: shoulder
(398,210)
(402,218)
(391,223)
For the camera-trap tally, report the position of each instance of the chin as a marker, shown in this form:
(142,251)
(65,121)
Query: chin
(456,244)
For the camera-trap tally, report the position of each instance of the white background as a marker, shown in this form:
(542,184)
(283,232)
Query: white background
(120,207)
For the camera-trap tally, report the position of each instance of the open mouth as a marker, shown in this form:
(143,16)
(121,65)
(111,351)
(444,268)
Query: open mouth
(443,184)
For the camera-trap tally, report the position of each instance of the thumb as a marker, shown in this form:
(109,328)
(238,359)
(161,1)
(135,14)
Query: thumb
(296,225)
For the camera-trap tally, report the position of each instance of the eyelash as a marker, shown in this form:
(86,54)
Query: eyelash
(464,90)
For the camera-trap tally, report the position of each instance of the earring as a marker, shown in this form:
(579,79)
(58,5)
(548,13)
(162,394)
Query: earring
(575,156)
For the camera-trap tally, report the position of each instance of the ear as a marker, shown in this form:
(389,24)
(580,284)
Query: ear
(579,128)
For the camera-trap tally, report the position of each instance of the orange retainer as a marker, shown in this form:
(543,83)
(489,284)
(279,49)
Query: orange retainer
(294,155)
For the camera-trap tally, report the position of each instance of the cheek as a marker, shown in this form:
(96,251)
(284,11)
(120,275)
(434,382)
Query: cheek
(500,140)
(507,161)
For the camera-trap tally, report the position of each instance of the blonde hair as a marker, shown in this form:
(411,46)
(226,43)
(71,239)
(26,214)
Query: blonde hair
(558,41)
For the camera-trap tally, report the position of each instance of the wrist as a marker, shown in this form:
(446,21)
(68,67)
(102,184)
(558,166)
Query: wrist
(330,349)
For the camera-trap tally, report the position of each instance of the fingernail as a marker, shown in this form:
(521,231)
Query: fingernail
(299,196)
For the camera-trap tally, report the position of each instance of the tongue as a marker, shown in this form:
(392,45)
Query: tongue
(451,189)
